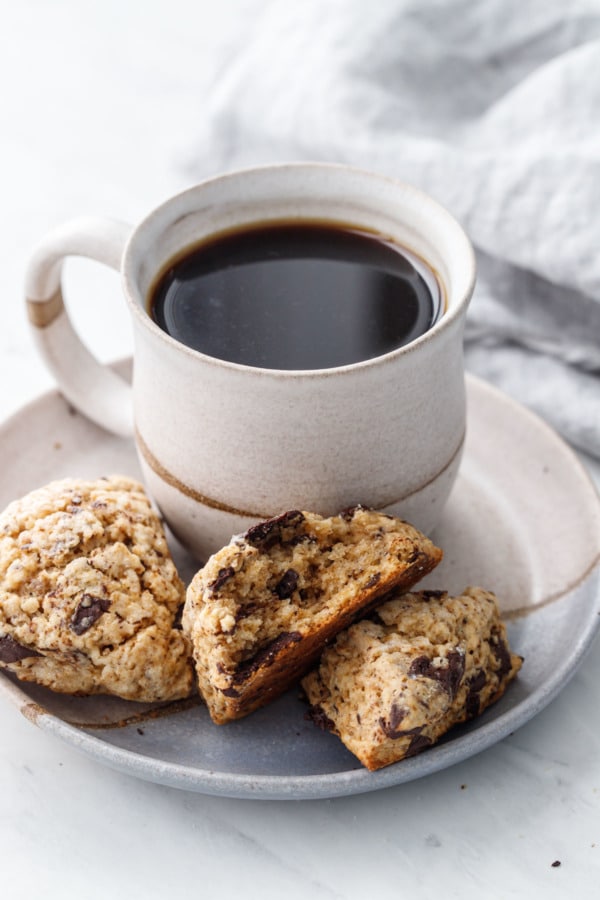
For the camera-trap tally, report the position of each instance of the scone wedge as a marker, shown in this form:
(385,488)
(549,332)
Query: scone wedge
(89,593)
(394,683)
(260,611)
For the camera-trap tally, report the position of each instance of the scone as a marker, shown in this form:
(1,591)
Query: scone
(262,608)
(89,593)
(393,683)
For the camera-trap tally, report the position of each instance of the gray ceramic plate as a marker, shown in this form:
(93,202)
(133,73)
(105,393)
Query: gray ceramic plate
(523,520)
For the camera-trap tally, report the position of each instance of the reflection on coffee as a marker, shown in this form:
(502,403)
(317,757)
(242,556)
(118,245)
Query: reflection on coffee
(296,296)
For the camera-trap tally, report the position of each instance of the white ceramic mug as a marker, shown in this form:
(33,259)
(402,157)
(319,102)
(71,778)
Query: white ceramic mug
(222,445)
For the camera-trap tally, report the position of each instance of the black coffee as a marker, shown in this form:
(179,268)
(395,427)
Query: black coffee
(295,296)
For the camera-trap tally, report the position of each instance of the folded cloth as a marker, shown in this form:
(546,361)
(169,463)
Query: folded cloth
(491,108)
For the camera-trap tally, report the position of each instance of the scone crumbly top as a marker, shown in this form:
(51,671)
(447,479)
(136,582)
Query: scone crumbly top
(85,575)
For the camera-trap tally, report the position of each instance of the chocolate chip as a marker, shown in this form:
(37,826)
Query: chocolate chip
(448,676)
(397,714)
(478,680)
(348,514)
(243,612)
(414,556)
(390,727)
(502,654)
(432,595)
(373,580)
(472,700)
(395,733)
(315,714)
(455,671)
(177,619)
(287,584)
(418,743)
(422,666)
(230,692)
(11,651)
(300,539)
(266,655)
(272,531)
(418,740)
(89,611)
(476,683)
(223,575)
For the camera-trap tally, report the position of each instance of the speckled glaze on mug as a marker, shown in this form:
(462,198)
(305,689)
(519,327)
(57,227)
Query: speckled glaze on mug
(223,445)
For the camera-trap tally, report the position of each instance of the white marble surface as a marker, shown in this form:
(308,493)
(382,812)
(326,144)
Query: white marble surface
(99,104)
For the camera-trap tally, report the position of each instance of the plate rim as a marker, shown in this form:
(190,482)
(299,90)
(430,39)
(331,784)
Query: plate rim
(350,782)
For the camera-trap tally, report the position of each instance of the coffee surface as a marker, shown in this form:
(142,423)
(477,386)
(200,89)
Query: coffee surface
(295,296)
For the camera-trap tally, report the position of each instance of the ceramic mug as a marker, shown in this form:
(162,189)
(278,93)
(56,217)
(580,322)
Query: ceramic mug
(222,445)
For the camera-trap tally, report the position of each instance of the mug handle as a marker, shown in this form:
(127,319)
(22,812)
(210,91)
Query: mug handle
(94,389)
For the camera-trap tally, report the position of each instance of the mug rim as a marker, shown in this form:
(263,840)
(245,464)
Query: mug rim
(443,322)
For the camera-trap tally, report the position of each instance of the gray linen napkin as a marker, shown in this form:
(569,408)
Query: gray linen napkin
(494,109)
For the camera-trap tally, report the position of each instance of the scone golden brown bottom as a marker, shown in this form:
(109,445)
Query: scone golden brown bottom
(260,611)
(89,593)
(392,684)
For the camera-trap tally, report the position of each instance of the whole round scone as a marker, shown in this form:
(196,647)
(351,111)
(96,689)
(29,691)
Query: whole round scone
(89,593)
